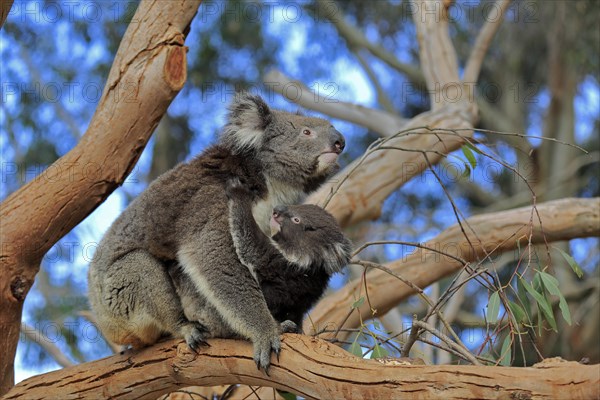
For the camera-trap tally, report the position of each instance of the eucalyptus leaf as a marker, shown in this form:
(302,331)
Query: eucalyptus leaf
(505,353)
(379,351)
(572,263)
(358,302)
(470,156)
(287,395)
(493,308)
(518,312)
(551,285)
(543,304)
(356,349)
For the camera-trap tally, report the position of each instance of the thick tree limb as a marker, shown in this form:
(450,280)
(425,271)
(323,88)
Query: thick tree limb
(381,122)
(562,220)
(5,6)
(148,71)
(365,189)
(309,367)
(437,54)
(473,66)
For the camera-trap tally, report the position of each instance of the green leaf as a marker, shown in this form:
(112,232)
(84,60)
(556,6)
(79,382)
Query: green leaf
(467,172)
(287,395)
(537,283)
(522,294)
(547,298)
(517,312)
(505,353)
(474,148)
(493,308)
(470,156)
(379,351)
(376,325)
(356,349)
(572,263)
(358,302)
(551,285)
(543,304)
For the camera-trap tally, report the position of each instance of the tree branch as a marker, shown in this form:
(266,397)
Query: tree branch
(356,39)
(382,97)
(5,6)
(563,220)
(310,367)
(38,337)
(473,66)
(366,186)
(383,123)
(437,54)
(148,71)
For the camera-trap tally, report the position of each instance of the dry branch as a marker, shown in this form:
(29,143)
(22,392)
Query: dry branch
(562,220)
(148,71)
(309,367)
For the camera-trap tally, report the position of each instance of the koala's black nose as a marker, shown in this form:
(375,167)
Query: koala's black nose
(337,140)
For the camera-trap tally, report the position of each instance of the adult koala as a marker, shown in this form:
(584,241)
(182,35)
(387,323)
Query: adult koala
(182,217)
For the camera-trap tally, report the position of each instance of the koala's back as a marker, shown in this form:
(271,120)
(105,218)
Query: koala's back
(177,204)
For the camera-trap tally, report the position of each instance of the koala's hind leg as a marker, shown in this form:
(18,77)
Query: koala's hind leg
(136,303)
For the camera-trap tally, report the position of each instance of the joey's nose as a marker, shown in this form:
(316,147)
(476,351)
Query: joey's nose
(278,213)
(337,140)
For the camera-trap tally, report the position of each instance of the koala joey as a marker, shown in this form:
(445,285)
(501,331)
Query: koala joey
(294,265)
(182,219)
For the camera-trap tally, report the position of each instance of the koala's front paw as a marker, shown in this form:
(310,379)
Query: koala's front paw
(288,326)
(236,187)
(262,350)
(194,334)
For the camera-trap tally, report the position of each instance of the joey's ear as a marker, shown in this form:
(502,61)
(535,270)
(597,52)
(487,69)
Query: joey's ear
(248,117)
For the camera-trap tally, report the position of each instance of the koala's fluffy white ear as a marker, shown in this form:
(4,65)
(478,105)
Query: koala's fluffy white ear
(248,117)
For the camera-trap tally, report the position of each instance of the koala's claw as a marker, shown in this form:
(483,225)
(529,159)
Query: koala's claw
(288,326)
(194,336)
(262,352)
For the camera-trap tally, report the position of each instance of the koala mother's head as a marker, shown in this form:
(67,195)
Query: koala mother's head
(294,149)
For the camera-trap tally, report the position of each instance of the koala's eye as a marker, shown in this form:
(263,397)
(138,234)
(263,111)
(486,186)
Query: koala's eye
(306,132)
(296,220)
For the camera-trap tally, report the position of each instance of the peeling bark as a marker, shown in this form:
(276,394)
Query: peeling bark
(148,71)
(309,367)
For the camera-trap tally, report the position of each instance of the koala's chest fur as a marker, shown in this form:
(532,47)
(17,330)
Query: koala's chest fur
(279,193)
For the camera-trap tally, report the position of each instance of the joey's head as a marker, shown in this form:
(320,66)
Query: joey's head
(307,235)
(299,151)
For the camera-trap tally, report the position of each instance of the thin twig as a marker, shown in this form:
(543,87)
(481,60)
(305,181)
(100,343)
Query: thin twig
(460,348)
(37,337)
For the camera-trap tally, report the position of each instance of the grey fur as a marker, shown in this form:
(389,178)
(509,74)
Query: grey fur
(182,219)
(294,266)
